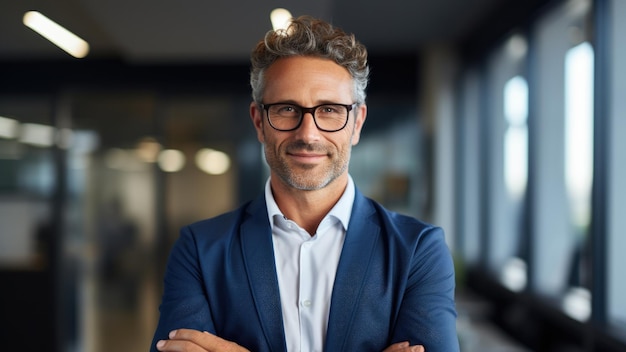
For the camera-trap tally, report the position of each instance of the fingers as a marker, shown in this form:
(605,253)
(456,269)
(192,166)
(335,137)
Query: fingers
(195,341)
(188,340)
(182,340)
(404,347)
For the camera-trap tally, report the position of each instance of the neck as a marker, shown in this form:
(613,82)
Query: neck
(307,208)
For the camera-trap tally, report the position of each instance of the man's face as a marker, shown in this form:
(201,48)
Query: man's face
(307,158)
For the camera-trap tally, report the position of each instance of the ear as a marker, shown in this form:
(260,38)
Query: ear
(256,114)
(360,114)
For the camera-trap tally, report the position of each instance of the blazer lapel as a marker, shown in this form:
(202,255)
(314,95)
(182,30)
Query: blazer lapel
(258,254)
(353,265)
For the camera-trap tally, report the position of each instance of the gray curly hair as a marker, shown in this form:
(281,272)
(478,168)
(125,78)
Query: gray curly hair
(307,36)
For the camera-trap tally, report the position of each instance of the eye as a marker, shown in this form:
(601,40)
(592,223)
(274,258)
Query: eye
(328,109)
(286,108)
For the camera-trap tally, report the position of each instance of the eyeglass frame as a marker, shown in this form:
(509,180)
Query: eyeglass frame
(304,110)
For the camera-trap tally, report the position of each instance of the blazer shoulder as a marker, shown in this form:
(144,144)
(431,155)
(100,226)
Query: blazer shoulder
(408,227)
(220,225)
(408,232)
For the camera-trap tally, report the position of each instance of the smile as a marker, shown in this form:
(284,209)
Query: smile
(305,157)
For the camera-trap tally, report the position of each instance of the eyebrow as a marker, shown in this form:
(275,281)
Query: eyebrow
(320,102)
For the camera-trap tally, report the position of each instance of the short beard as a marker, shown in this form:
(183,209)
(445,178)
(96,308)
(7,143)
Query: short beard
(302,181)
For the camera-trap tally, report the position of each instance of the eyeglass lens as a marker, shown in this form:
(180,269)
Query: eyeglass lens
(329,117)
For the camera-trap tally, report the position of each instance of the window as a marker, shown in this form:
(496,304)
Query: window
(563,149)
(507,170)
(617,169)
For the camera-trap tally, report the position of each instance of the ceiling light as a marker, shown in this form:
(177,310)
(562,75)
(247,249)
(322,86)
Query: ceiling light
(37,135)
(8,127)
(281,18)
(58,35)
(171,160)
(211,161)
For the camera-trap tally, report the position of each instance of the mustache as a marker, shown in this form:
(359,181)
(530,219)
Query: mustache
(308,147)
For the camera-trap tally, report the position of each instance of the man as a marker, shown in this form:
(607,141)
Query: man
(311,264)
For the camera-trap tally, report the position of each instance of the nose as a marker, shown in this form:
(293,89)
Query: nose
(308,129)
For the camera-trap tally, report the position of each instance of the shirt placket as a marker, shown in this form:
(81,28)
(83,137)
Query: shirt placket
(306,297)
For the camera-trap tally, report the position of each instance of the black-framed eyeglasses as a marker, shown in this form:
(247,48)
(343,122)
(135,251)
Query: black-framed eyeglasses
(288,117)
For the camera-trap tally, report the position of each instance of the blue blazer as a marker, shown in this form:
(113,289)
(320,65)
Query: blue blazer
(394,282)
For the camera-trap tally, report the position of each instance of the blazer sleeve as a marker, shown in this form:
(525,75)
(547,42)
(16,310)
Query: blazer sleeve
(184,303)
(427,314)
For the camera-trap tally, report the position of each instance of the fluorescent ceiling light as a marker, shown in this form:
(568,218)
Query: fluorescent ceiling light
(281,18)
(8,127)
(58,35)
(37,135)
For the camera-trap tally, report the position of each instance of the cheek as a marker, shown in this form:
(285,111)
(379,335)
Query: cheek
(341,145)
(348,138)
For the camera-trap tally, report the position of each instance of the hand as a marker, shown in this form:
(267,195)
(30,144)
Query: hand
(404,347)
(187,340)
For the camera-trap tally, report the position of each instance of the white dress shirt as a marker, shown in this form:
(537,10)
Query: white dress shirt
(306,267)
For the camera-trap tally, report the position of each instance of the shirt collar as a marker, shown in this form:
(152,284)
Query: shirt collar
(342,210)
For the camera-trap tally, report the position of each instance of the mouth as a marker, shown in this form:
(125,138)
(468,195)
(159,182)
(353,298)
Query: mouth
(306,154)
(306,157)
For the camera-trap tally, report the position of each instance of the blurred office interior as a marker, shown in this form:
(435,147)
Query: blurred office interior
(502,122)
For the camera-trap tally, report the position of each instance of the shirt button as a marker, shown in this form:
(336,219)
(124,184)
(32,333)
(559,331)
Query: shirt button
(307,303)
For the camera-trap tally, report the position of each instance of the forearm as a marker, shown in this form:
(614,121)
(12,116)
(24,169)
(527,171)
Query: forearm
(427,315)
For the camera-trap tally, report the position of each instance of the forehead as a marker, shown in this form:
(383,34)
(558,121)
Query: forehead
(307,78)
